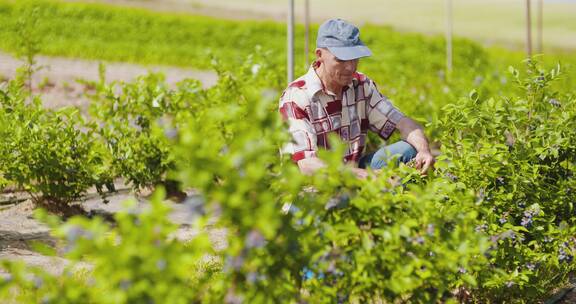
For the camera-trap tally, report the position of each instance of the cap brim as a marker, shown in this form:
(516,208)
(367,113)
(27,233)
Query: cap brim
(350,52)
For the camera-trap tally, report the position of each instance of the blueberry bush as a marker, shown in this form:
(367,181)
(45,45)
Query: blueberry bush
(51,154)
(492,224)
(517,154)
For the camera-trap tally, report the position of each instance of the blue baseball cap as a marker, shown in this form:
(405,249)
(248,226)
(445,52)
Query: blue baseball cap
(342,39)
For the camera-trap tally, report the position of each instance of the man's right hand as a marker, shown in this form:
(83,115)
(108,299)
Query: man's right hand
(360,173)
(310,165)
(424,161)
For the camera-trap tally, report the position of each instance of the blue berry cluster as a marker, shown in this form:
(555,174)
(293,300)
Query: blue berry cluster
(565,254)
(528,218)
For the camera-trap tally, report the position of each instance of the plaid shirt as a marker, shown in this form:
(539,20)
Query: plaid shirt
(313,113)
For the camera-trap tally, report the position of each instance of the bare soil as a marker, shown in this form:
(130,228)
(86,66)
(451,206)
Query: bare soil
(19,230)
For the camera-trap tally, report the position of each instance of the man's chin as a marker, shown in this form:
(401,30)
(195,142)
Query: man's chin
(346,81)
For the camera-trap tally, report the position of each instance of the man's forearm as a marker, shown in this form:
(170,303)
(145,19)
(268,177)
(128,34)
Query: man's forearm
(310,165)
(413,133)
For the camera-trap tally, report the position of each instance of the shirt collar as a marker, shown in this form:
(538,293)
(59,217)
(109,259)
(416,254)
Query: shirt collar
(313,82)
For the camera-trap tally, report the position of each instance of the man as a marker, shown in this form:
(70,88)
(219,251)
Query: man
(334,98)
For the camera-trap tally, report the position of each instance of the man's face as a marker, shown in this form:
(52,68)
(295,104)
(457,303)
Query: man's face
(339,72)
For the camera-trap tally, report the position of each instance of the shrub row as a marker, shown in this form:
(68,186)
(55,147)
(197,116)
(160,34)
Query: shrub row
(493,224)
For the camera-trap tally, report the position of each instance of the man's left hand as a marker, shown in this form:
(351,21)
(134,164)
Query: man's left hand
(424,161)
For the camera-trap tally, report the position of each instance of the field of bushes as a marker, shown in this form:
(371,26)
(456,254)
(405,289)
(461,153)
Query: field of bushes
(493,224)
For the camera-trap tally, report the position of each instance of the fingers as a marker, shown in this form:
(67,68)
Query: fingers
(419,163)
(424,163)
(426,166)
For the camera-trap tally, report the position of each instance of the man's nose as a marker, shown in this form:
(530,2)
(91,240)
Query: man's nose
(351,65)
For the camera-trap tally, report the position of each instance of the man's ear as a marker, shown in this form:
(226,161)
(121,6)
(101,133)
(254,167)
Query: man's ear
(318,53)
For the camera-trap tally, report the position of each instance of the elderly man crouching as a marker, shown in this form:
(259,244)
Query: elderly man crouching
(332,97)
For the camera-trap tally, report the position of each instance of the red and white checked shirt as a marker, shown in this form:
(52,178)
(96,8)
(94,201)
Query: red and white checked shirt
(313,113)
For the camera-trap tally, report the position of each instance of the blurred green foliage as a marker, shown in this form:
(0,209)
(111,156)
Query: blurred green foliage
(389,243)
(494,223)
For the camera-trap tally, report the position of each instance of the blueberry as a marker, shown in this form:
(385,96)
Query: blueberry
(480,228)
(255,239)
(451,177)
(430,229)
(161,264)
(554,102)
(526,222)
(564,256)
(38,282)
(420,240)
(125,284)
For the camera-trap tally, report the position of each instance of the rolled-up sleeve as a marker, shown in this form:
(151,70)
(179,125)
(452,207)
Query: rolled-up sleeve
(293,108)
(382,115)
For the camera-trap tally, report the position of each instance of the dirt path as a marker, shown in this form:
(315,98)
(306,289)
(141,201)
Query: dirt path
(57,82)
(19,230)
